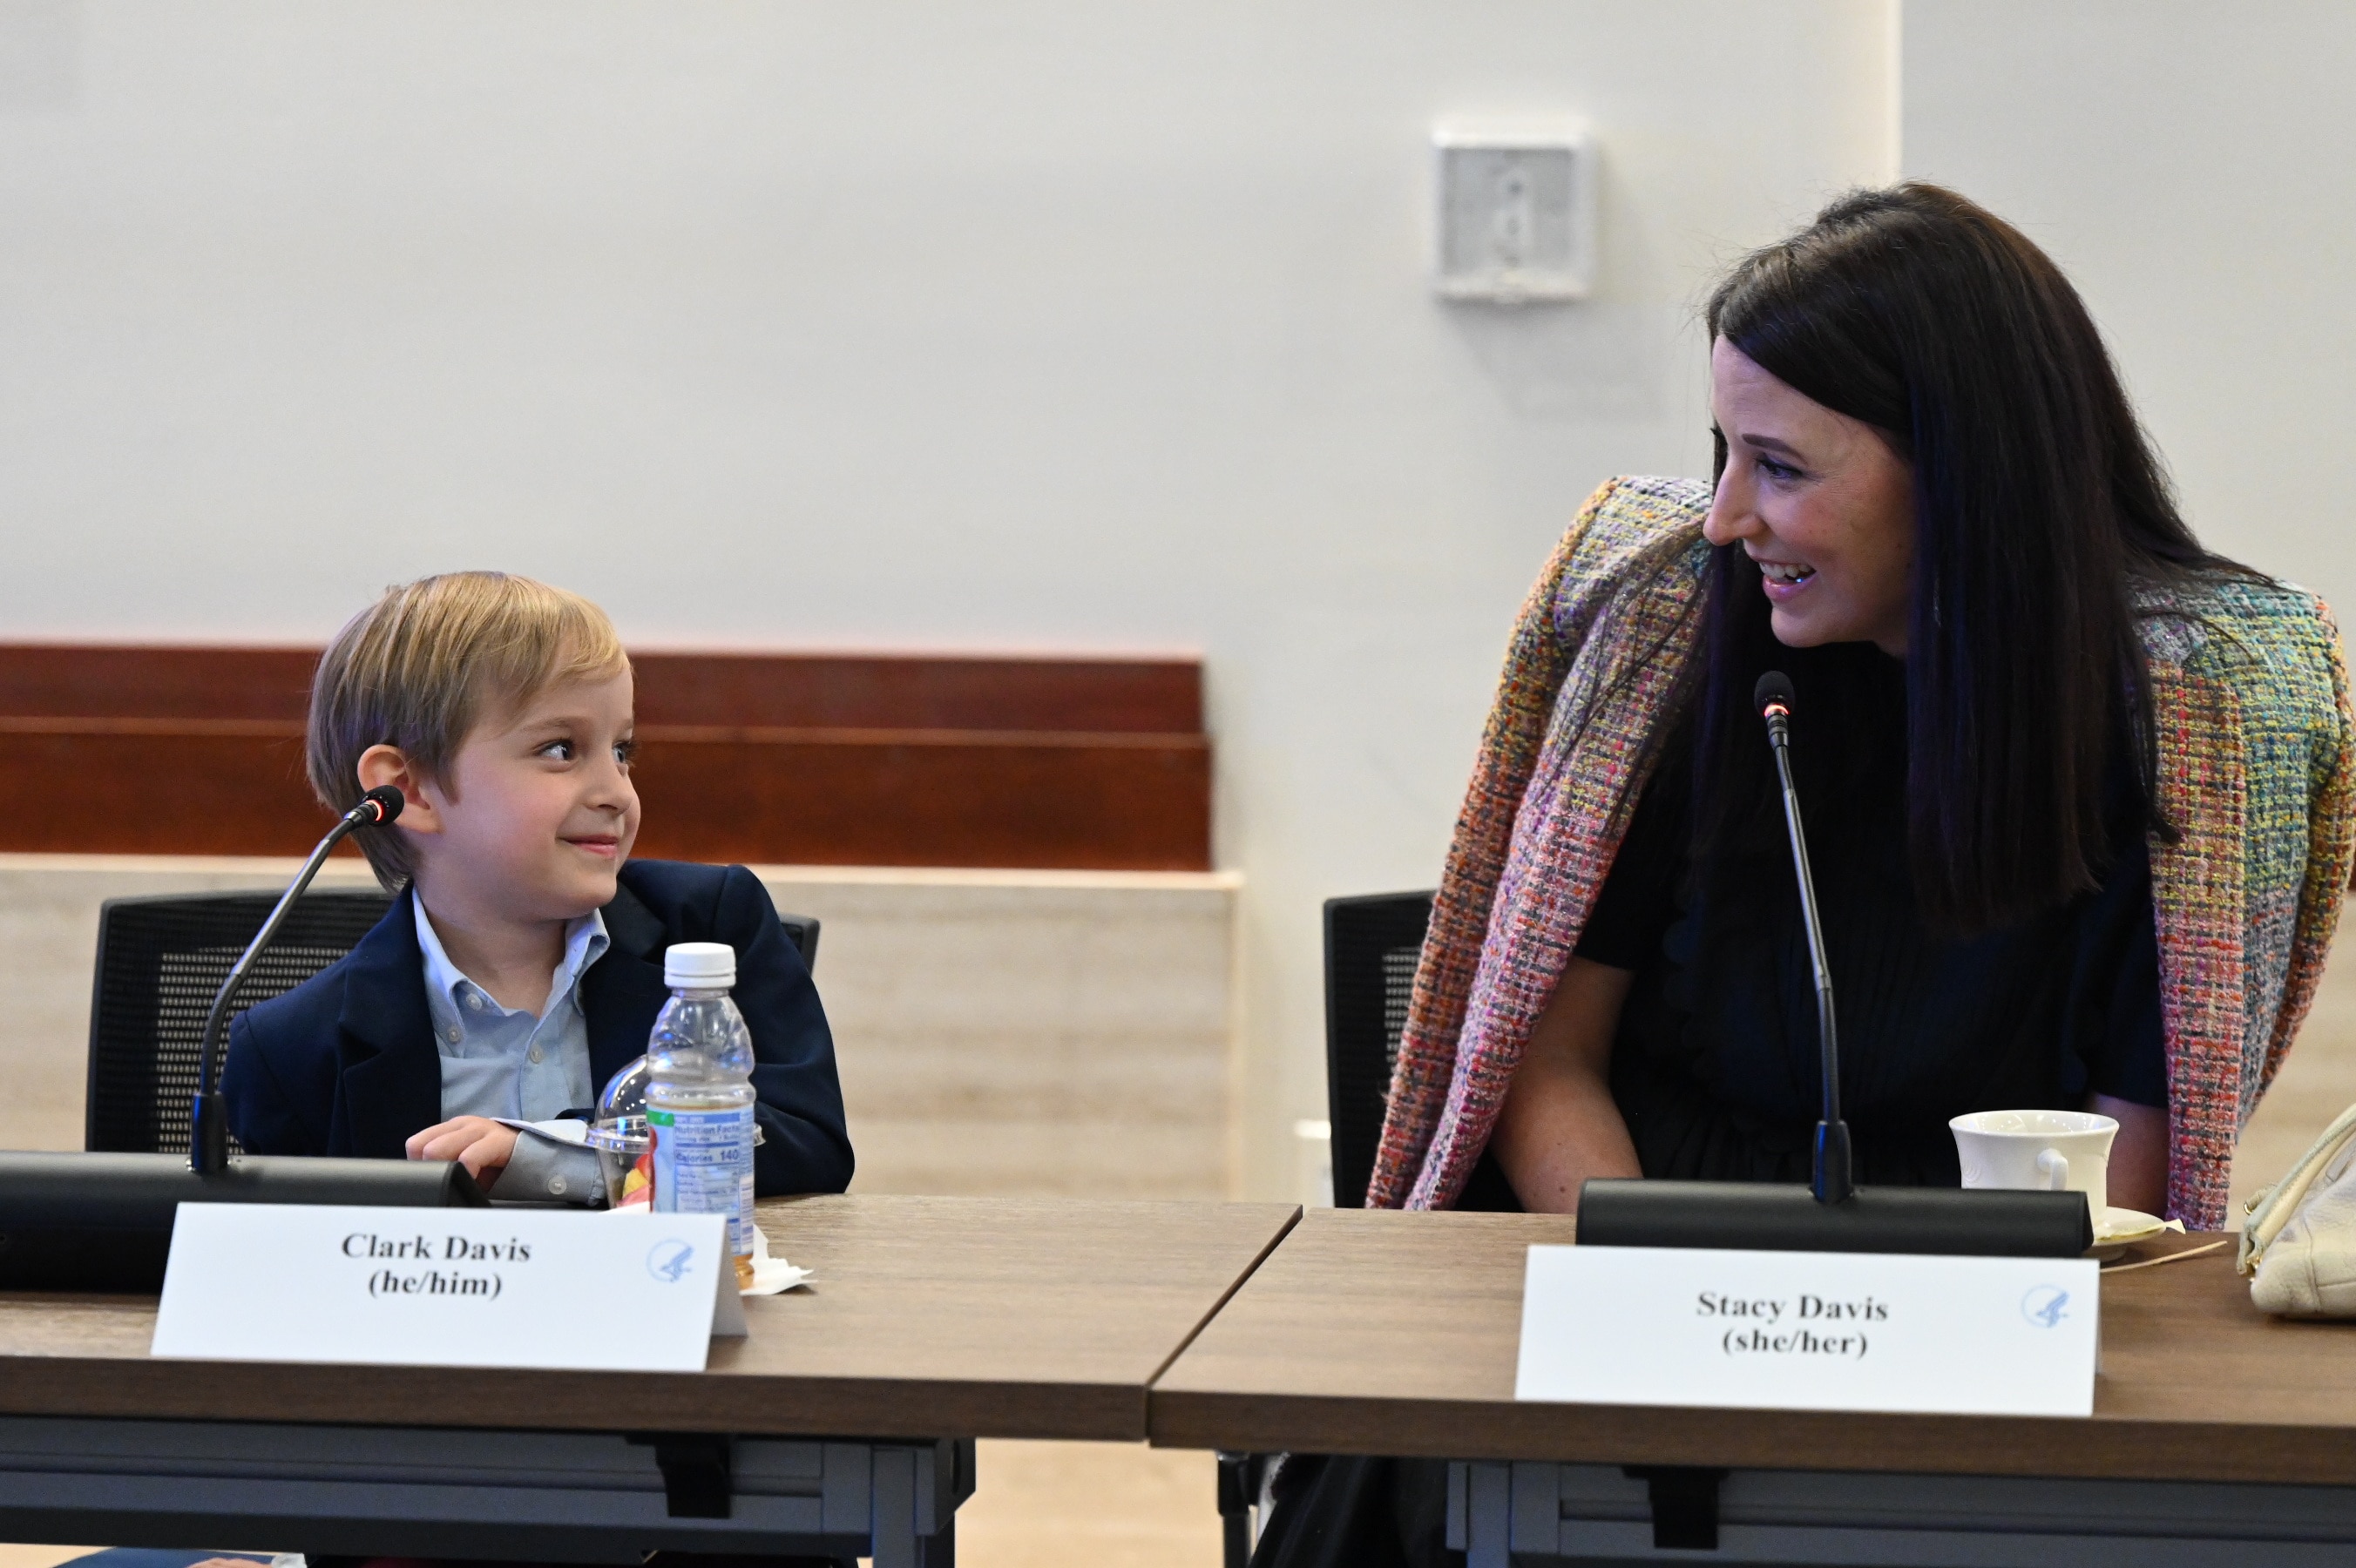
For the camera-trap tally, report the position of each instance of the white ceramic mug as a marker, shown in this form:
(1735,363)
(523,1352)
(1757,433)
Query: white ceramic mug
(2050,1151)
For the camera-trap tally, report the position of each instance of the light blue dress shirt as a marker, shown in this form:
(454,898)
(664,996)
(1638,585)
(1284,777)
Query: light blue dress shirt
(518,1067)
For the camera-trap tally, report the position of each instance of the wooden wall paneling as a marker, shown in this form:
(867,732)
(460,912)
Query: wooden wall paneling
(73,681)
(903,692)
(155,787)
(776,690)
(1090,765)
(1132,803)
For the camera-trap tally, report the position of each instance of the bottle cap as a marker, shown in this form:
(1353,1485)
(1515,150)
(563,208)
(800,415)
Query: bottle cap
(699,966)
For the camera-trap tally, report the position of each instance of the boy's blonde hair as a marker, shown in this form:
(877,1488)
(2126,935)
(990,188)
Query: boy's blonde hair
(420,667)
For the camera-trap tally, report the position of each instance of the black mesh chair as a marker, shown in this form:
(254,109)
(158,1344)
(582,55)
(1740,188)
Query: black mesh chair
(1372,944)
(160,960)
(803,931)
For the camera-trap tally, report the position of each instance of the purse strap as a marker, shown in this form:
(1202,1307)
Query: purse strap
(2272,1209)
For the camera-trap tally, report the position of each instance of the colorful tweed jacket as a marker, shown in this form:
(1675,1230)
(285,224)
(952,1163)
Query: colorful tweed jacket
(2257,770)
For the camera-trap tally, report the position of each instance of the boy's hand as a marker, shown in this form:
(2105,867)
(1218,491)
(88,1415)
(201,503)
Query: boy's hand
(478,1143)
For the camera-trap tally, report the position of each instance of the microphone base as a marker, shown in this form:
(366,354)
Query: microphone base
(1835,1182)
(104,1221)
(208,1131)
(1770,1217)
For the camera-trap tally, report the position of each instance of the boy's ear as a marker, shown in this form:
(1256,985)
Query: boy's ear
(391,765)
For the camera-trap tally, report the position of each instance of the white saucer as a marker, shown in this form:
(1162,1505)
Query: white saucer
(2122,1228)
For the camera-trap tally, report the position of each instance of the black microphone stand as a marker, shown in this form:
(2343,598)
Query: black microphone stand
(208,1123)
(1832,1214)
(103,1221)
(1834,1179)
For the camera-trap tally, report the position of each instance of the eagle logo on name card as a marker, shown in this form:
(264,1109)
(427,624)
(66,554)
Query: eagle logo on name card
(2045,1305)
(669,1261)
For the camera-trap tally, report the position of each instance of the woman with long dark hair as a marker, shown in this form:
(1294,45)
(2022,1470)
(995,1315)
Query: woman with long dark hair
(2080,795)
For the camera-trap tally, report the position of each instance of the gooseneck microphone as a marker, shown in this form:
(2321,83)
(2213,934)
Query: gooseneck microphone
(209,1125)
(1832,1214)
(103,1220)
(1834,1178)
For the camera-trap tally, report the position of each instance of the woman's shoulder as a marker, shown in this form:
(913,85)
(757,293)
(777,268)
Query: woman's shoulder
(1632,519)
(2263,636)
(1636,535)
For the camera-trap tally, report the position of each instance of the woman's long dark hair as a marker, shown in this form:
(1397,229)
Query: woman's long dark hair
(2039,507)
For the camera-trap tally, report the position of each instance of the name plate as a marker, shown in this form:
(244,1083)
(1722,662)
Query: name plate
(1809,1330)
(450,1287)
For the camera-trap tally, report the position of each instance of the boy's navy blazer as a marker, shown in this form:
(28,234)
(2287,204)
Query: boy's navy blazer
(346,1063)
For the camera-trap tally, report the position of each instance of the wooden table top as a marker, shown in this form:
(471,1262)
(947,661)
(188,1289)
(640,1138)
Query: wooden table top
(926,1318)
(1391,1333)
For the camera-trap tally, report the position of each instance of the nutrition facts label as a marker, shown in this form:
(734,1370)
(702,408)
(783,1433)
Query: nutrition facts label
(703,1165)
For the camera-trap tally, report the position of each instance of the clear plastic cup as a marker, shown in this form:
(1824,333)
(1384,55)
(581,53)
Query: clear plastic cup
(619,1136)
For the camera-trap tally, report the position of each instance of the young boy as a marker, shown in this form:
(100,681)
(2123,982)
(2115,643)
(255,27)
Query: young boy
(520,965)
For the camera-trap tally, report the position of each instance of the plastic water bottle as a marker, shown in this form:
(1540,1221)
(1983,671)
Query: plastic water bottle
(699,1095)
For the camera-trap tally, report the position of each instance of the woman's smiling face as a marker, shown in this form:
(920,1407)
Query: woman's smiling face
(1820,501)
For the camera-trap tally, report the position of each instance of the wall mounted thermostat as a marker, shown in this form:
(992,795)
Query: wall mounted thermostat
(1516,212)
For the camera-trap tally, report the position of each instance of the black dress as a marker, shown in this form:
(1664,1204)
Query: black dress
(1714,1066)
(1714,1063)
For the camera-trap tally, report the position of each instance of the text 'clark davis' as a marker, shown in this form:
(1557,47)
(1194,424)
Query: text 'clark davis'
(453,1249)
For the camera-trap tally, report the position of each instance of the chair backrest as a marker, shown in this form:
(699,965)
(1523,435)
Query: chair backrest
(1371,947)
(802,931)
(160,961)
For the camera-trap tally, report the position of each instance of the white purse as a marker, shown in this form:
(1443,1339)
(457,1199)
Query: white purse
(2298,1237)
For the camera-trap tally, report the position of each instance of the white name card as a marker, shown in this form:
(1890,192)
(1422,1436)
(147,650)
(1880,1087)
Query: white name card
(1809,1330)
(450,1287)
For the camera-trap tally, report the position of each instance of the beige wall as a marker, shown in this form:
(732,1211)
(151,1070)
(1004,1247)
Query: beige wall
(1052,1034)
(2190,163)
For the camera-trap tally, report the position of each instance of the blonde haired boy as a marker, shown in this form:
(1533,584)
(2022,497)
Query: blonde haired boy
(520,965)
